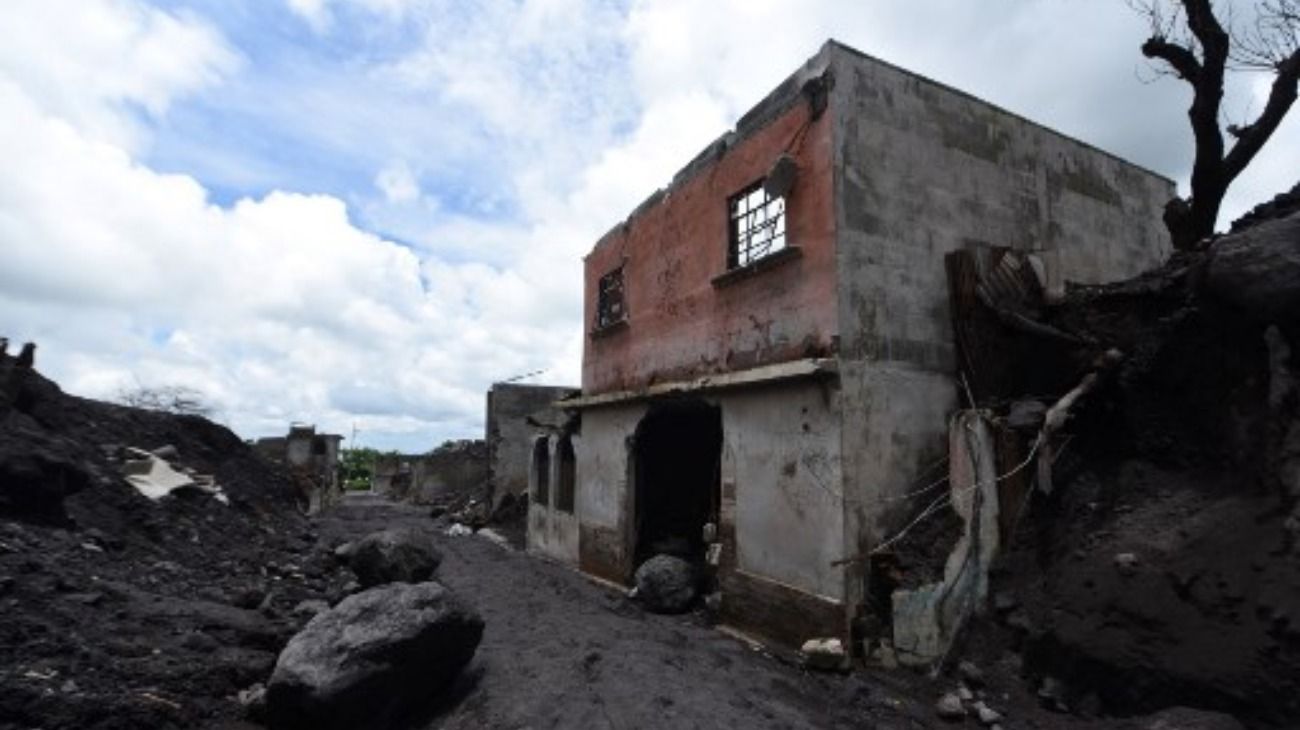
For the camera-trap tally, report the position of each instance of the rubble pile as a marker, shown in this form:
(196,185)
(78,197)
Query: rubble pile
(1158,561)
(121,610)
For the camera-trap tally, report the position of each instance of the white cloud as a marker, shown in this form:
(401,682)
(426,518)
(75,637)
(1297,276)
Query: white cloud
(315,12)
(398,183)
(320,17)
(282,307)
(83,60)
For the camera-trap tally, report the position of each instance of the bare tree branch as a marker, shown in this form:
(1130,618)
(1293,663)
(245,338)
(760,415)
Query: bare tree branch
(1200,46)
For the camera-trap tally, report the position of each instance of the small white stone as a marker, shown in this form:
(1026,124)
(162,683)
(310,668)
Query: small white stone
(986,714)
(949,707)
(824,654)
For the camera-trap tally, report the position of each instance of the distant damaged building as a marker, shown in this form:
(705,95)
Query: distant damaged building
(312,459)
(769,363)
(516,413)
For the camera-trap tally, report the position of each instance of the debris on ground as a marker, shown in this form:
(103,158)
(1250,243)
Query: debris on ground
(826,655)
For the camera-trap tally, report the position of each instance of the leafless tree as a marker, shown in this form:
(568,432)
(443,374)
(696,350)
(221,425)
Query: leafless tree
(177,399)
(1200,41)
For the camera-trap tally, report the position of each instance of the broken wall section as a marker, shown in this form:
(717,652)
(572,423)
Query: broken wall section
(516,415)
(313,462)
(438,477)
(927,619)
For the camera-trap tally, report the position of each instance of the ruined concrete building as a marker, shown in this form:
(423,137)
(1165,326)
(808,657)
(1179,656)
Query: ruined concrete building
(431,477)
(768,362)
(516,413)
(312,459)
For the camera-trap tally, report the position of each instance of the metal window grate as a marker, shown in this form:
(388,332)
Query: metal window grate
(610,309)
(757,225)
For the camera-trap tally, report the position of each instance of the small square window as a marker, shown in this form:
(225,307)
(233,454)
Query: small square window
(610,308)
(757,225)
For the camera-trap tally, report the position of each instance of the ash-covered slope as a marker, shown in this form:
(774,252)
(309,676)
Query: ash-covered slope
(1164,568)
(117,611)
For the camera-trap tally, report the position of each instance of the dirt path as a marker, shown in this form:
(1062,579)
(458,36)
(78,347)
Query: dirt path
(562,652)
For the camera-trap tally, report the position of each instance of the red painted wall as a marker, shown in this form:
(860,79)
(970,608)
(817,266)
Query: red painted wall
(680,325)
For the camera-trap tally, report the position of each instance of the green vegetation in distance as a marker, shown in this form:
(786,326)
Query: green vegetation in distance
(357,466)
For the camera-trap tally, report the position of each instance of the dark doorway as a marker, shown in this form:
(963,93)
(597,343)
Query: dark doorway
(564,493)
(678,461)
(542,470)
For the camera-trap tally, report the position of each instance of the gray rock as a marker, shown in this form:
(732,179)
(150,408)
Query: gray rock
(399,555)
(825,655)
(970,673)
(1052,693)
(373,659)
(665,584)
(343,553)
(199,641)
(713,602)
(949,707)
(1187,718)
(310,608)
(987,715)
(886,655)
(1127,563)
(253,700)
(167,453)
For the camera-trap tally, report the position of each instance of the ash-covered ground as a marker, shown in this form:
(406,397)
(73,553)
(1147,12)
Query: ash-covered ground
(117,611)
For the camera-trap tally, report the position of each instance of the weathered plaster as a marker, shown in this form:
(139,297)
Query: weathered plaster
(552,532)
(780,450)
(922,169)
(681,324)
(510,435)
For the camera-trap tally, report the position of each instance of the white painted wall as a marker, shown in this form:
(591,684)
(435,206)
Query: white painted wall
(781,449)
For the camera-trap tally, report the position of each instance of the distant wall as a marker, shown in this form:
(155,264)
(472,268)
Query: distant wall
(453,468)
(313,460)
(510,436)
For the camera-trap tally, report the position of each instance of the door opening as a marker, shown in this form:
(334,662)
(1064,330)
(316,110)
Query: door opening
(678,463)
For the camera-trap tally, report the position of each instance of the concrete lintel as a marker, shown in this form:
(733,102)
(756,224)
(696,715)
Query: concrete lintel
(795,369)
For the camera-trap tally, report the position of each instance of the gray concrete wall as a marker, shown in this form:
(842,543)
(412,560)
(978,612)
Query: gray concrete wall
(781,459)
(297,451)
(781,486)
(893,441)
(551,531)
(603,495)
(510,437)
(454,467)
(451,469)
(922,169)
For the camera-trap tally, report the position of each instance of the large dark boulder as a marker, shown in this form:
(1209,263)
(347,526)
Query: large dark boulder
(372,660)
(400,555)
(665,584)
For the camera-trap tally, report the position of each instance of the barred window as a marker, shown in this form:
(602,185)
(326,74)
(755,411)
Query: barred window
(757,225)
(610,308)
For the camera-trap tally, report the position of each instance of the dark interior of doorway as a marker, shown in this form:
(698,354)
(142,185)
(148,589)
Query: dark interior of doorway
(678,464)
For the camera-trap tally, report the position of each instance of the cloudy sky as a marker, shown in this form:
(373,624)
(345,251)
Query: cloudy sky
(366,211)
